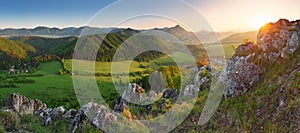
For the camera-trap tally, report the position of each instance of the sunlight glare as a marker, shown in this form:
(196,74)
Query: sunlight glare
(260,21)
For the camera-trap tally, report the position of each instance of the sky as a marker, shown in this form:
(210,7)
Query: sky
(218,15)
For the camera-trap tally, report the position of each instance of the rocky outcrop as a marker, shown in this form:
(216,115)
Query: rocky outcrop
(274,41)
(133,93)
(20,104)
(97,114)
(282,37)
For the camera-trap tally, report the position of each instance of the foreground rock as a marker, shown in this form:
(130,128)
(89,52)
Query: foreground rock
(274,41)
(20,104)
(97,115)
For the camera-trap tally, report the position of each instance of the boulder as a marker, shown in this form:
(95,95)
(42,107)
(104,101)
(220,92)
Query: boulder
(170,94)
(190,90)
(48,115)
(70,114)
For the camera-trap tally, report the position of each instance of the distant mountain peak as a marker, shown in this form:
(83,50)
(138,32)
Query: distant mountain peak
(178,27)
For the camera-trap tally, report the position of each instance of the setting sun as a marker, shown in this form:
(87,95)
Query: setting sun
(260,21)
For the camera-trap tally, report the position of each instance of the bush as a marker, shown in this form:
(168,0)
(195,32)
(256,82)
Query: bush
(18,80)
(8,85)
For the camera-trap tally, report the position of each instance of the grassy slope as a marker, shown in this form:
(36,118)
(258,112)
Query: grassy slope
(240,37)
(259,110)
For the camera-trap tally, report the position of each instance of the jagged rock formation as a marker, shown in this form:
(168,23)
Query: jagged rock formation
(21,104)
(274,41)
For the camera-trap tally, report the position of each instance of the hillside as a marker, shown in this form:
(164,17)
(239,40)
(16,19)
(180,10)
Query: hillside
(64,47)
(183,35)
(261,84)
(13,51)
(240,37)
(177,31)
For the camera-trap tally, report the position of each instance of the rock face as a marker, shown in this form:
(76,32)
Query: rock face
(20,104)
(274,41)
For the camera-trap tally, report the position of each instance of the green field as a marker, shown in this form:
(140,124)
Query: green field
(57,90)
(105,67)
(53,89)
(50,67)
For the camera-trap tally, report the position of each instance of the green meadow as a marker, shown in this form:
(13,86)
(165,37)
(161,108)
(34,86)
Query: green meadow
(57,90)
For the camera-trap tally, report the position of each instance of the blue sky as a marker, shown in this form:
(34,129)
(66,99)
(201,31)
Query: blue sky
(222,15)
(59,13)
